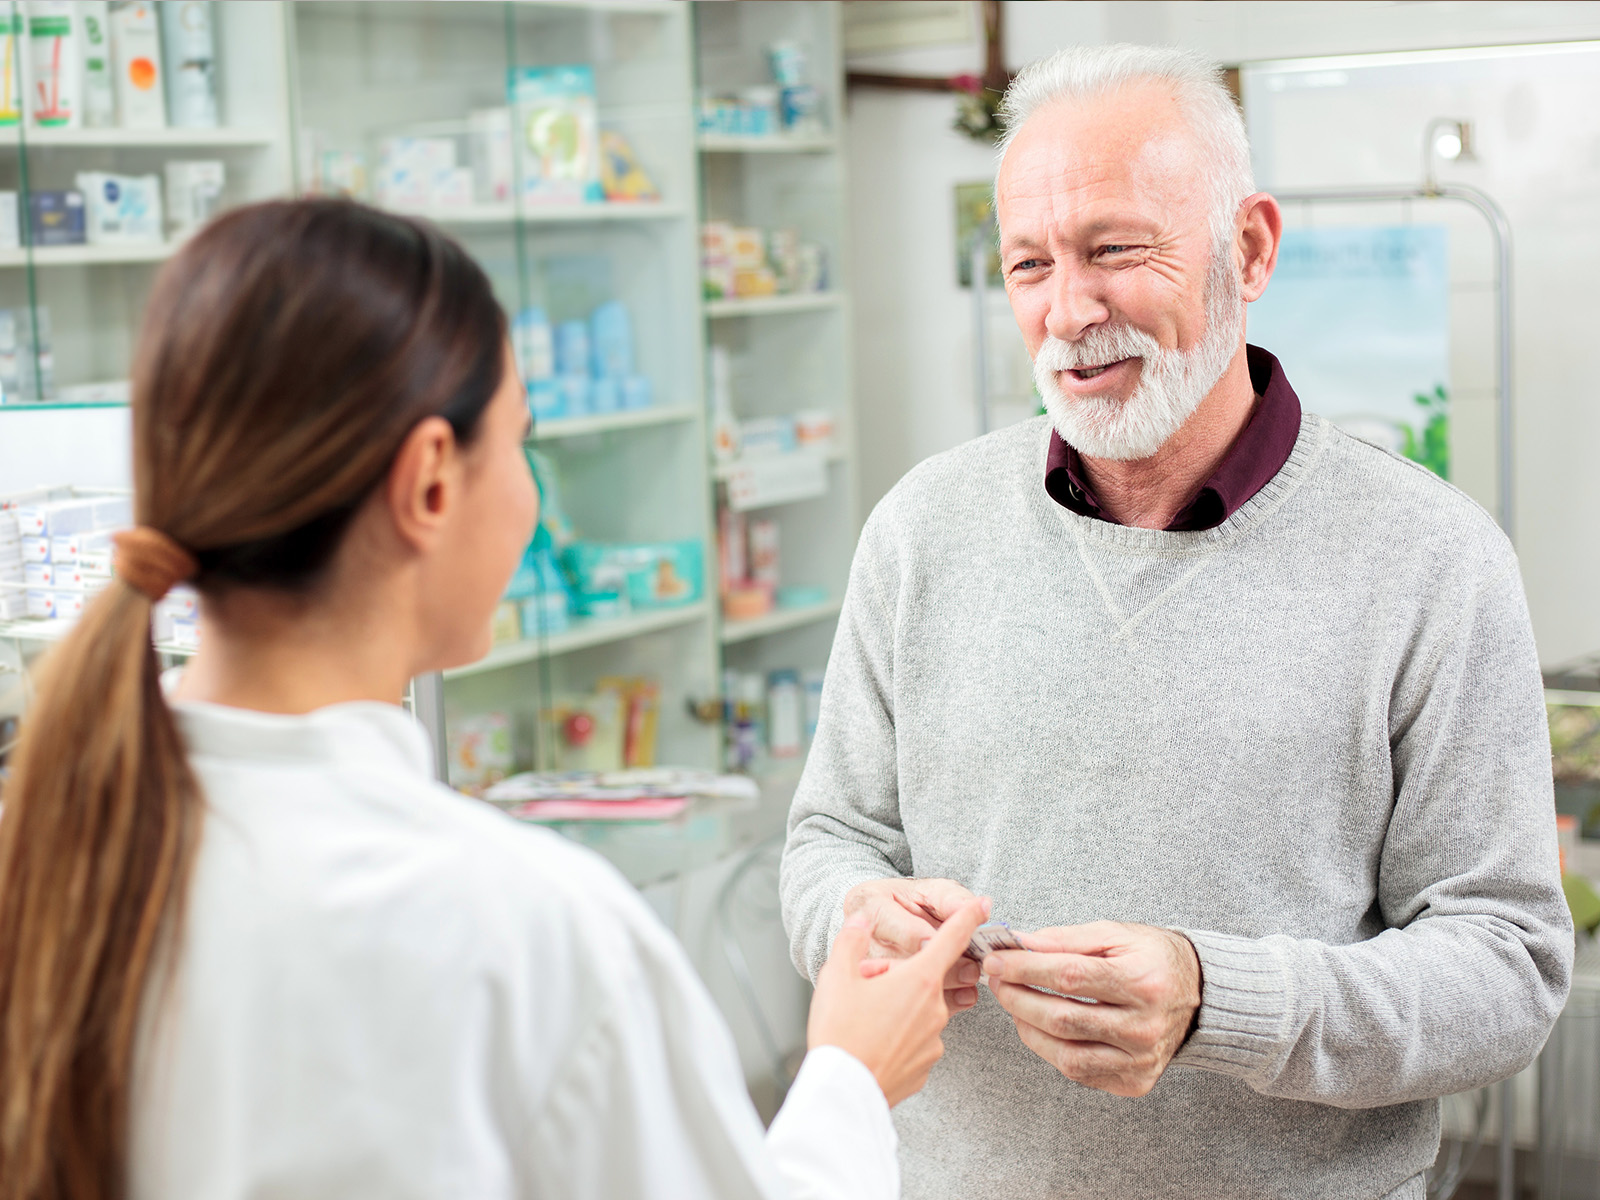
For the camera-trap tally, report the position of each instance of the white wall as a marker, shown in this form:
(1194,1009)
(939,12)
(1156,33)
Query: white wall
(914,346)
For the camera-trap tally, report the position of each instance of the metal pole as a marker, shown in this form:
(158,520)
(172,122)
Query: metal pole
(1507,1172)
(427,705)
(980,330)
(1500,230)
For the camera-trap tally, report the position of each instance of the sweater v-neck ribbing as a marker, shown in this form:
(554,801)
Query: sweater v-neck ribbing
(1182,542)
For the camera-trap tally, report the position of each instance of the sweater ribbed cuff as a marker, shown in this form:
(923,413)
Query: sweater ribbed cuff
(1244,1006)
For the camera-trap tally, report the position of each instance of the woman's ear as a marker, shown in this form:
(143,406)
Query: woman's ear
(1260,231)
(424,484)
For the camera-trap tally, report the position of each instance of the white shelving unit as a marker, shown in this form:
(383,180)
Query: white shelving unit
(762,306)
(788,353)
(365,72)
(94,294)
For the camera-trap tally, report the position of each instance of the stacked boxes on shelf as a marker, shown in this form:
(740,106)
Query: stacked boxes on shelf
(789,106)
(746,261)
(580,367)
(56,553)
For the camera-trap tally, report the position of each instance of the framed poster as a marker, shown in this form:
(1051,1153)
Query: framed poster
(1360,318)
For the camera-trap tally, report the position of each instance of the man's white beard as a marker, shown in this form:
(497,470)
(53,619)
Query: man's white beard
(1171,382)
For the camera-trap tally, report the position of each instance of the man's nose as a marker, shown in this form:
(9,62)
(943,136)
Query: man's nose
(1075,306)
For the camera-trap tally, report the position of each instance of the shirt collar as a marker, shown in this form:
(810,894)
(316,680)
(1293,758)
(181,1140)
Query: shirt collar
(362,734)
(1257,454)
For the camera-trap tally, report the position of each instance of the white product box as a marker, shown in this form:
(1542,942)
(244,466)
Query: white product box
(452,188)
(116,391)
(55,517)
(493,167)
(52,575)
(194,193)
(35,549)
(13,605)
(120,209)
(136,58)
(53,604)
(186,634)
(96,564)
(182,604)
(64,547)
(10,231)
(112,512)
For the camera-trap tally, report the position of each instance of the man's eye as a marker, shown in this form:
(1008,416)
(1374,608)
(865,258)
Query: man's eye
(1115,249)
(1027,264)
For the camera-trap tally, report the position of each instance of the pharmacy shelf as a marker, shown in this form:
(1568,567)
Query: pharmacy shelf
(565,427)
(87,255)
(759,306)
(582,634)
(724,471)
(537,214)
(778,620)
(28,629)
(726,143)
(135,139)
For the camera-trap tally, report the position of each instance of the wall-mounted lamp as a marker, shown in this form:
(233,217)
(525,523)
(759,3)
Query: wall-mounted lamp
(1447,138)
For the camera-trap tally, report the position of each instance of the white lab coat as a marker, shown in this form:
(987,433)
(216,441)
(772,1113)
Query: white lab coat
(384,989)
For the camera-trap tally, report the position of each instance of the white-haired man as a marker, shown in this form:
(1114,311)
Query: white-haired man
(1241,715)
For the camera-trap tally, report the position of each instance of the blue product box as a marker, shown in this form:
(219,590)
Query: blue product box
(651,575)
(574,390)
(544,399)
(572,348)
(636,393)
(611,341)
(56,218)
(605,395)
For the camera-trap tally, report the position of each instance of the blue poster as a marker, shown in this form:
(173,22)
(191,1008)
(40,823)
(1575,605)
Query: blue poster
(1360,318)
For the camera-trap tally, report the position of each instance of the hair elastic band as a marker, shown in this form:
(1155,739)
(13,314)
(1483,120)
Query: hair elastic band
(151,562)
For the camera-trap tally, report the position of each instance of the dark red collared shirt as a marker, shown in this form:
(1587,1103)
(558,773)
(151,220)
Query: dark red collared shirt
(1257,454)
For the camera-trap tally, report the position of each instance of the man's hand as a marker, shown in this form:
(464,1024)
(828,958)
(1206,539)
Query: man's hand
(902,914)
(1146,982)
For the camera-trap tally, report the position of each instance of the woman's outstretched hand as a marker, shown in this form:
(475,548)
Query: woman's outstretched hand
(889,1013)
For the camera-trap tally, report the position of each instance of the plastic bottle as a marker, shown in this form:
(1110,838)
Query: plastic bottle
(190,48)
(99,88)
(12,29)
(53,53)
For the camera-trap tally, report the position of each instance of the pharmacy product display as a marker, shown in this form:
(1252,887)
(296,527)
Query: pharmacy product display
(77,64)
(564,576)
(55,552)
(544,146)
(750,570)
(769,715)
(747,261)
(789,105)
(580,367)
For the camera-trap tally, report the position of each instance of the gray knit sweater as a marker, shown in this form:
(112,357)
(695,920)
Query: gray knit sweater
(1313,738)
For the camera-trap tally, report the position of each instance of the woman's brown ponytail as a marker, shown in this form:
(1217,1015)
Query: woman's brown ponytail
(287,351)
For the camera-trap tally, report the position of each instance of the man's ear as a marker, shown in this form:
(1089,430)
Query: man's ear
(424,483)
(1260,231)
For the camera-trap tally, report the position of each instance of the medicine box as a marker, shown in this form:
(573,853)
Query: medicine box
(121,209)
(56,218)
(10,230)
(55,517)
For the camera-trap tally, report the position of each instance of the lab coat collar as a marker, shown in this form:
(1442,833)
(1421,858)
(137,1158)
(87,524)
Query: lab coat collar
(361,732)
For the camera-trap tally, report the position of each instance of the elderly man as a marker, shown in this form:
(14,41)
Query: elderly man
(1240,714)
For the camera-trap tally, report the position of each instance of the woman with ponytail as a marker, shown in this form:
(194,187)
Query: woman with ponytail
(247,947)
